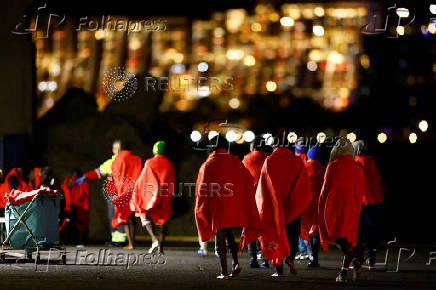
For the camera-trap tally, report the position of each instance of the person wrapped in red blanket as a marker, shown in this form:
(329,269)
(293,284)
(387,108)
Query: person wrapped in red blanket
(154,190)
(309,227)
(224,200)
(369,218)
(282,195)
(34,178)
(5,187)
(76,206)
(126,169)
(253,161)
(340,204)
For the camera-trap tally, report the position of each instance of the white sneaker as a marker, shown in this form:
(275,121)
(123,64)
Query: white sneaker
(154,247)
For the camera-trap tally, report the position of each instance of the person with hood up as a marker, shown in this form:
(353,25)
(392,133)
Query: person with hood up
(340,204)
(76,207)
(253,161)
(34,178)
(372,202)
(309,226)
(5,187)
(225,200)
(154,190)
(283,193)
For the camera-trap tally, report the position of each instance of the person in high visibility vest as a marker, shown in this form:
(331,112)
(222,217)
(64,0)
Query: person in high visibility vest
(105,171)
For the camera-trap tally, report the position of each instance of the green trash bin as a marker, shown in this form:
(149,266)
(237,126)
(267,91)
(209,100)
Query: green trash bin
(42,220)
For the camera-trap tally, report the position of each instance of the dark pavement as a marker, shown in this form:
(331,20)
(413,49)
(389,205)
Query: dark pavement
(182,268)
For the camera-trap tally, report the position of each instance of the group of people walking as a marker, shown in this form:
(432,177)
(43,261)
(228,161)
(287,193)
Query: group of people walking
(277,194)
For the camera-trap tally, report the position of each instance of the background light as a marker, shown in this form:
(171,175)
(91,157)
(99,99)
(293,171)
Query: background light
(287,21)
(318,30)
(248,136)
(352,137)
(42,86)
(292,137)
(231,136)
(403,12)
(311,65)
(400,30)
(423,125)
(212,134)
(321,137)
(319,11)
(202,67)
(433,8)
(413,138)
(269,139)
(249,60)
(271,86)
(195,136)
(234,103)
(382,137)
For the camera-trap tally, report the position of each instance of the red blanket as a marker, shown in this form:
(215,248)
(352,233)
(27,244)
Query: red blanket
(155,188)
(315,171)
(5,188)
(77,195)
(126,169)
(225,198)
(36,182)
(253,161)
(341,201)
(374,189)
(17,197)
(282,195)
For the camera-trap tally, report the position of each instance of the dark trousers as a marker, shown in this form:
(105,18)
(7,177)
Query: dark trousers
(253,248)
(292,233)
(348,251)
(224,238)
(366,244)
(313,247)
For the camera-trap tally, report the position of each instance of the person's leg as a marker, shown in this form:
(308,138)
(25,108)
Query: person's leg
(252,250)
(236,268)
(162,234)
(203,247)
(348,251)
(313,249)
(147,224)
(129,228)
(220,248)
(302,247)
(292,233)
(265,263)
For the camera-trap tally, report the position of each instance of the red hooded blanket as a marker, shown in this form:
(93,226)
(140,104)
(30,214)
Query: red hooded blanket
(155,188)
(225,198)
(282,195)
(253,161)
(315,171)
(374,189)
(341,201)
(5,188)
(126,169)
